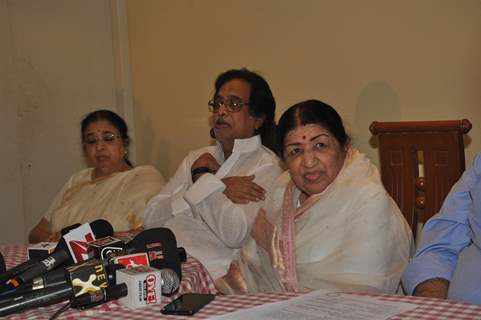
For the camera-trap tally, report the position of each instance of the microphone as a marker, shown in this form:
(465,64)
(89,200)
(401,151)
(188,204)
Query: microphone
(87,276)
(146,285)
(59,257)
(170,281)
(54,260)
(35,299)
(47,264)
(92,299)
(57,277)
(50,279)
(9,274)
(161,242)
(182,254)
(103,247)
(76,240)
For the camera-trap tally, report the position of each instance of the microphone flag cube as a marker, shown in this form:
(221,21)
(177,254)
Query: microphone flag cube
(88,276)
(101,248)
(77,242)
(144,286)
(41,250)
(133,260)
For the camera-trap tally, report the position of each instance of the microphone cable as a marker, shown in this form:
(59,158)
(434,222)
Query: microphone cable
(61,310)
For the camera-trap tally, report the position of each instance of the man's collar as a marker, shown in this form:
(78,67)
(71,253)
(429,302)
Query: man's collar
(245,145)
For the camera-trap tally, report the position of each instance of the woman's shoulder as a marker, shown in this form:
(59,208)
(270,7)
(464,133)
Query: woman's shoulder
(145,171)
(83,175)
(361,180)
(361,171)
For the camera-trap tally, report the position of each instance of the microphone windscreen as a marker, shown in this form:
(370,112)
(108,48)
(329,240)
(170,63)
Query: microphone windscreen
(101,228)
(170,281)
(154,235)
(161,240)
(182,254)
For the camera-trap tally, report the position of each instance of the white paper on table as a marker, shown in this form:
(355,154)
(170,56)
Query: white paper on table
(324,305)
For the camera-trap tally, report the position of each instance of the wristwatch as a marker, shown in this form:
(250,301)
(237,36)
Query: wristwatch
(197,172)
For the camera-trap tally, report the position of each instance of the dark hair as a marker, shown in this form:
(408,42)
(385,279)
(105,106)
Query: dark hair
(114,119)
(261,102)
(311,112)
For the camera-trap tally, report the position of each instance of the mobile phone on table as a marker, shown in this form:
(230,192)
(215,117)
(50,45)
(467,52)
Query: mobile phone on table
(187,304)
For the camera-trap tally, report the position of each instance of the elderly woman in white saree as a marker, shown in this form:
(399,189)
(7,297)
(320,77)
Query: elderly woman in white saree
(328,223)
(111,189)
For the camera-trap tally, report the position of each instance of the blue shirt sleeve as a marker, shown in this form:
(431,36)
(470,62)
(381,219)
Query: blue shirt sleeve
(446,234)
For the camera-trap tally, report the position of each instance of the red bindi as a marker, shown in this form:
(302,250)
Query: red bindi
(304,137)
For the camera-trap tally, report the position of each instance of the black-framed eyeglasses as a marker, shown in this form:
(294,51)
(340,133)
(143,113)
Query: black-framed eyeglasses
(232,103)
(106,137)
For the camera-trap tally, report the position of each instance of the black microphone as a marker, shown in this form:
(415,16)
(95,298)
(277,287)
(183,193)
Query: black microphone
(94,298)
(163,242)
(100,228)
(54,260)
(86,276)
(54,278)
(35,299)
(50,279)
(182,254)
(59,257)
(12,272)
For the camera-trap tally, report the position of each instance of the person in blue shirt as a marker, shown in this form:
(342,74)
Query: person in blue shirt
(447,263)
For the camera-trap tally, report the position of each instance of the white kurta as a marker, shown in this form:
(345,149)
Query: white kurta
(205,222)
(119,198)
(350,237)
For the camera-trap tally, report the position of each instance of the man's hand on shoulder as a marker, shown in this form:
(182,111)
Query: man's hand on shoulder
(242,190)
(432,288)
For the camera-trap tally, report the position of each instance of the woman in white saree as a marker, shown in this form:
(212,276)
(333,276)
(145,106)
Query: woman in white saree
(328,223)
(111,189)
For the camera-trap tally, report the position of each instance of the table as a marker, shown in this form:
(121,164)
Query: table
(196,279)
(429,308)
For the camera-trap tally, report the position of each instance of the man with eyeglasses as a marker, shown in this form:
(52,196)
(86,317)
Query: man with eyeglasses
(211,201)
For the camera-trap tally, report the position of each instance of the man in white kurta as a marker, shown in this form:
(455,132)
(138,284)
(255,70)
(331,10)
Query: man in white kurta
(211,201)
(205,222)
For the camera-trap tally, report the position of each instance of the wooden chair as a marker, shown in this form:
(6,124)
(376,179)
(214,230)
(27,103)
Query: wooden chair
(420,161)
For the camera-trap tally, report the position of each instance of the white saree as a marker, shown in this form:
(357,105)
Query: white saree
(351,237)
(119,198)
